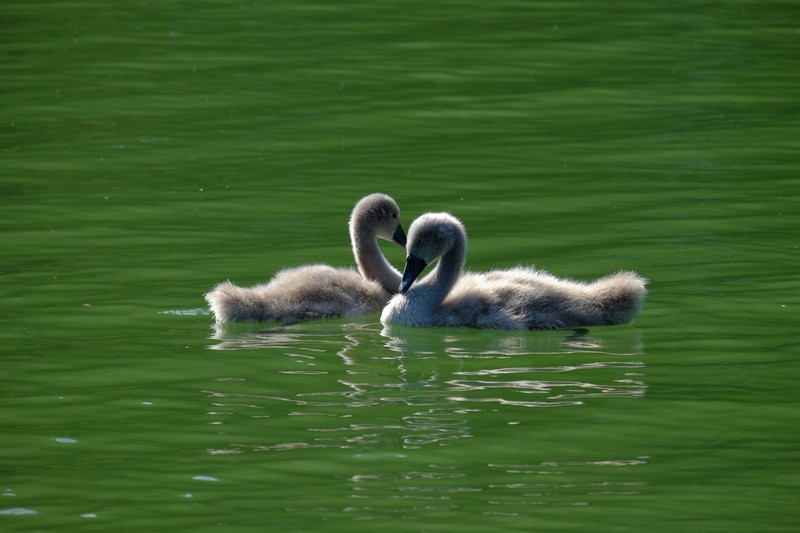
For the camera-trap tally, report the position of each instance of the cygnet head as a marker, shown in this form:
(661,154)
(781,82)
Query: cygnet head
(430,237)
(378,213)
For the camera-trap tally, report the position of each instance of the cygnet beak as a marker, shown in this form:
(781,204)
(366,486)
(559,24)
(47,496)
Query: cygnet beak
(399,236)
(414,267)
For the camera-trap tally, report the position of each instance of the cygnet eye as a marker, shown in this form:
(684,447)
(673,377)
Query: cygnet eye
(394,215)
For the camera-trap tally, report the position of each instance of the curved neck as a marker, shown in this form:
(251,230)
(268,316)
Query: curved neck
(371,262)
(441,281)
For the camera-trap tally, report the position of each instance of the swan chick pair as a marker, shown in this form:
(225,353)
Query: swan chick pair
(517,298)
(323,291)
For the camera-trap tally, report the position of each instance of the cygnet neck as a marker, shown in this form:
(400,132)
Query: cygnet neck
(369,258)
(439,283)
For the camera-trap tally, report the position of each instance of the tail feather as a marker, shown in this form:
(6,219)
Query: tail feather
(231,303)
(621,296)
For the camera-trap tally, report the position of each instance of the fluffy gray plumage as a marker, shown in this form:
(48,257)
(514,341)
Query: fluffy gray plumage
(319,291)
(517,298)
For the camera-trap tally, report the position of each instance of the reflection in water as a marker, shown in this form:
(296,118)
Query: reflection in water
(564,482)
(558,392)
(500,346)
(240,337)
(522,489)
(430,380)
(421,341)
(438,488)
(378,395)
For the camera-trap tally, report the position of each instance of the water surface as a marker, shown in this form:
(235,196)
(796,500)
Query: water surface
(151,150)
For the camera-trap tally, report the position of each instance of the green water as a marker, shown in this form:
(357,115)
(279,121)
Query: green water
(153,149)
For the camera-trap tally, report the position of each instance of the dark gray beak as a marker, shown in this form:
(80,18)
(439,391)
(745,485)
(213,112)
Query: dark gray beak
(414,267)
(399,236)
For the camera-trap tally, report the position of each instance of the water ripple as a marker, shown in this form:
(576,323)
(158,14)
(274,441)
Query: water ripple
(416,388)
